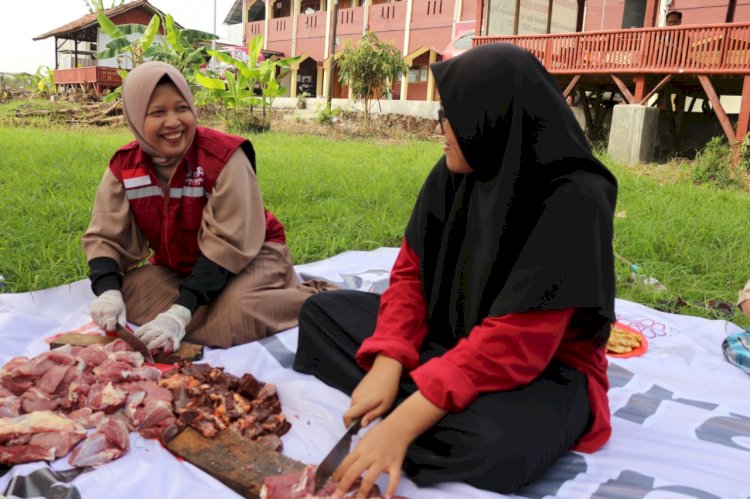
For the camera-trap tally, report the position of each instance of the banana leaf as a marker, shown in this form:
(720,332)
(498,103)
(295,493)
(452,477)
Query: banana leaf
(108,26)
(131,29)
(208,82)
(148,35)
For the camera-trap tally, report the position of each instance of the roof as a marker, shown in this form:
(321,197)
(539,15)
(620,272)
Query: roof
(234,16)
(409,59)
(254,11)
(90,20)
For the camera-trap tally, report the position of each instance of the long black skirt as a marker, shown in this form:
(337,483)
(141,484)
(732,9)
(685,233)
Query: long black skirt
(500,442)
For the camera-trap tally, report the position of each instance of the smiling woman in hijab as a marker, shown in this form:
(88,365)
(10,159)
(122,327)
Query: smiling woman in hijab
(485,356)
(185,199)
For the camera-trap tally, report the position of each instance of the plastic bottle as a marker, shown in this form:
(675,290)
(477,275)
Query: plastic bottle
(645,280)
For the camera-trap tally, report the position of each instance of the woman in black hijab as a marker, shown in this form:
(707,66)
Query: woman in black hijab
(486,353)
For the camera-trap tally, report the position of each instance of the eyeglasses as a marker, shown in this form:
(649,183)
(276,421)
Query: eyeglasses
(441,119)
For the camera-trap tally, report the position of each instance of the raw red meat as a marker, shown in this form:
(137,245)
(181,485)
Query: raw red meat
(109,441)
(301,485)
(41,435)
(10,406)
(79,384)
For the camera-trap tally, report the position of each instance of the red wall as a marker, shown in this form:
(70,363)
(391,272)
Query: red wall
(710,12)
(135,16)
(693,12)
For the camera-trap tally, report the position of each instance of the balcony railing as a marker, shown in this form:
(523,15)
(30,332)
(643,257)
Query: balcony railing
(100,75)
(708,49)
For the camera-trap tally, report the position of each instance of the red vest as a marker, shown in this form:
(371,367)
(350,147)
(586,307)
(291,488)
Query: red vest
(170,224)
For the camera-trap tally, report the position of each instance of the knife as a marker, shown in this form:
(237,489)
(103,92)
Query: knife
(135,342)
(338,453)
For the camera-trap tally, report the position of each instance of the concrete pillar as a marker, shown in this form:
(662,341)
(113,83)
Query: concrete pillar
(430,78)
(295,16)
(366,17)
(245,41)
(405,52)
(269,13)
(633,134)
(319,83)
(293,83)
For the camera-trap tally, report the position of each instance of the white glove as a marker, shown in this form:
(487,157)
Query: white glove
(166,329)
(108,309)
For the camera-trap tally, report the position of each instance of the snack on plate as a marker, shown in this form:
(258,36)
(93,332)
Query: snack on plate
(623,341)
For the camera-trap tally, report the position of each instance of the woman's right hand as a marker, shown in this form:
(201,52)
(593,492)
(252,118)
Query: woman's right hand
(108,310)
(377,391)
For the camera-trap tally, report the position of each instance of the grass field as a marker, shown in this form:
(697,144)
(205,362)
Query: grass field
(352,194)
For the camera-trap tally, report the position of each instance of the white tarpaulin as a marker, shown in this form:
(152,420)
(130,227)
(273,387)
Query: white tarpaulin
(680,413)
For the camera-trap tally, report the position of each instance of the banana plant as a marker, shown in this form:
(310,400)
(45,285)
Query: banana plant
(181,48)
(121,46)
(44,81)
(242,79)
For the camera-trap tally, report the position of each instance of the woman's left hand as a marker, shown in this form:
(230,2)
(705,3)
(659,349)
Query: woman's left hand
(381,450)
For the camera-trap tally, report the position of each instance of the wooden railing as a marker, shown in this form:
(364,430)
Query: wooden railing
(101,75)
(705,49)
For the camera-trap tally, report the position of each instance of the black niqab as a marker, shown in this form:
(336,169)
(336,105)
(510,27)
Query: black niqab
(531,227)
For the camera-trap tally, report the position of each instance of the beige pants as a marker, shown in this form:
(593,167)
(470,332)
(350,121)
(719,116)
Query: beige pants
(263,299)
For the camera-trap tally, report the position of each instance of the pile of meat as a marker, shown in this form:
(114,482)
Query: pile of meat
(208,399)
(301,485)
(48,403)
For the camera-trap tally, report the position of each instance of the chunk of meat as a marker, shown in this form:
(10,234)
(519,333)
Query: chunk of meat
(10,406)
(60,441)
(37,366)
(112,371)
(92,356)
(301,485)
(134,359)
(146,373)
(87,418)
(34,399)
(131,404)
(39,436)
(36,422)
(107,443)
(117,346)
(107,398)
(18,454)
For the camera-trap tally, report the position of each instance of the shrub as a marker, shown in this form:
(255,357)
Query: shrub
(240,123)
(713,164)
(329,115)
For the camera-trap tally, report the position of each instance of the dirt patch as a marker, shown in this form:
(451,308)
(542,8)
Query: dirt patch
(391,128)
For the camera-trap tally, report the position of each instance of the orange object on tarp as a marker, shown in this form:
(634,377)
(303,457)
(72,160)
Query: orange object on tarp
(636,352)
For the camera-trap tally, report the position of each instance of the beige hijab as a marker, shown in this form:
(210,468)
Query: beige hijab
(136,94)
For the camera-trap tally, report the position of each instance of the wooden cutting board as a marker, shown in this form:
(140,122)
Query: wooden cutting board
(187,351)
(239,463)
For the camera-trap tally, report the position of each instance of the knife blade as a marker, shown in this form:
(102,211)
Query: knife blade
(329,463)
(135,342)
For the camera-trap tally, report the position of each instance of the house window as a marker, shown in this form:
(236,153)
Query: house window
(418,74)
(532,17)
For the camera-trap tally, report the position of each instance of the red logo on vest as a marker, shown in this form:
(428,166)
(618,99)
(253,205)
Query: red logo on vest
(194,178)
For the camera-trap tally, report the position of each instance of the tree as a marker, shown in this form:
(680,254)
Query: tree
(98,5)
(369,68)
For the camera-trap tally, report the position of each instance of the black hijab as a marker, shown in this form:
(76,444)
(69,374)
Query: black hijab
(531,227)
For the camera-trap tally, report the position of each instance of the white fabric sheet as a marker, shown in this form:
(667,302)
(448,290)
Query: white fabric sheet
(680,413)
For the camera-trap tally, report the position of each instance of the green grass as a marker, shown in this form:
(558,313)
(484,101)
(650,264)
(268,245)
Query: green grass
(331,196)
(343,195)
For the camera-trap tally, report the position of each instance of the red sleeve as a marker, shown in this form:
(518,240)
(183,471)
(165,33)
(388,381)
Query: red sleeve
(402,324)
(499,354)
